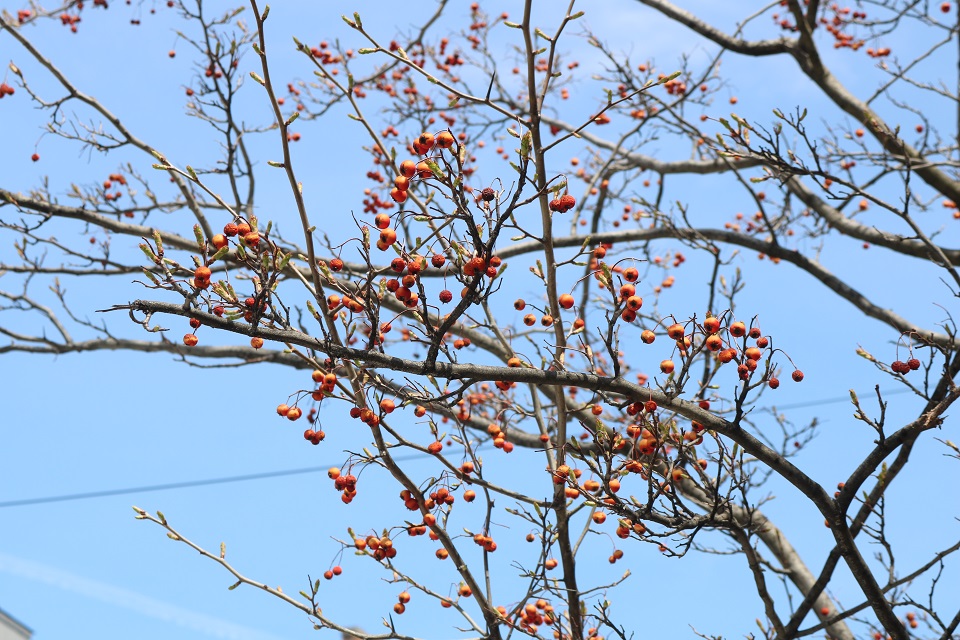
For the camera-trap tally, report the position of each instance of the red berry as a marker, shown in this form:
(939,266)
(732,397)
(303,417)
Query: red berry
(797,375)
(711,324)
(408,168)
(445,140)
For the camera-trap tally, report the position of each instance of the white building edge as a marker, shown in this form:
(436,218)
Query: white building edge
(12,629)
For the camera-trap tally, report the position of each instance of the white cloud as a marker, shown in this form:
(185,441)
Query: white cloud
(119,597)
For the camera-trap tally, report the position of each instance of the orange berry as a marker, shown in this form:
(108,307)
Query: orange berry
(711,324)
(425,142)
(408,168)
(424,171)
(388,236)
(445,140)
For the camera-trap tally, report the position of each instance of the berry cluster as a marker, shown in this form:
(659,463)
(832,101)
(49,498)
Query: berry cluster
(423,169)
(563,203)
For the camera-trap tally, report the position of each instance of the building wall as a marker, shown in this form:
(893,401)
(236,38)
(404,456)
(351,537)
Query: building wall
(11,629)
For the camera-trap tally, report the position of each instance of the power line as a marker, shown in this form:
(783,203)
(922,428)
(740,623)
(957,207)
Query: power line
(846,398)
(292,472)
(175,485)
(159,487)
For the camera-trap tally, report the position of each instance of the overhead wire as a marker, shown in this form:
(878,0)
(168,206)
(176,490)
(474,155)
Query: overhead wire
(173,485)
(68,497)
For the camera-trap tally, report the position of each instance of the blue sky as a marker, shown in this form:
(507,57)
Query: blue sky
(107,421)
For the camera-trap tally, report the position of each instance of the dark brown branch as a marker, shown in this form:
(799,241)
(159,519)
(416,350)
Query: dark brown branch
(634,160)
(835,284)
(708,31)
